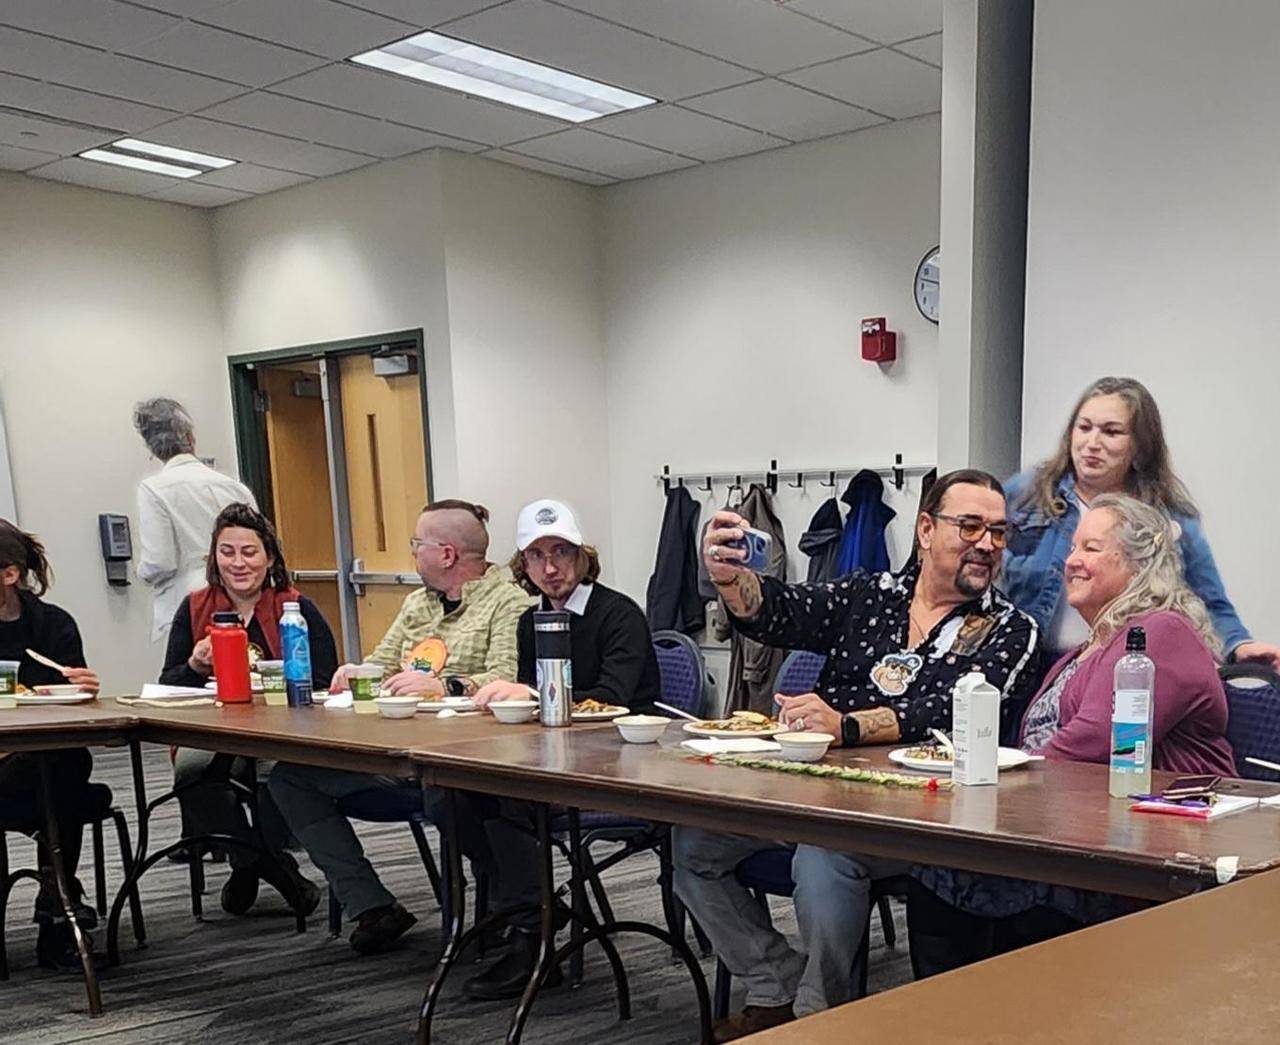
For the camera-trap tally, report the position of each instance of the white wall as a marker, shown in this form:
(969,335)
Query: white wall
(734,294)
(1152,247)
(106,299)
(527,334)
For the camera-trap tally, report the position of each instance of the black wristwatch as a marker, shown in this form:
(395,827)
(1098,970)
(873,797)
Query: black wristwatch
(454,686)
(850,731)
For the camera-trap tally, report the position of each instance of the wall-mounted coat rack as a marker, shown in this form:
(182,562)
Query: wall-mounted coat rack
(896,473)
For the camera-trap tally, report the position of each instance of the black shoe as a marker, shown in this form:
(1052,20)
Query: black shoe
(284,877)
(56,949)
(215,855)
(240,890)
(49,909)
(378,928)
(509,975)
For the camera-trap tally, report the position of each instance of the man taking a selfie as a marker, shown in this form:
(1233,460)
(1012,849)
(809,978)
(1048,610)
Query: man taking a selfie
(895,645)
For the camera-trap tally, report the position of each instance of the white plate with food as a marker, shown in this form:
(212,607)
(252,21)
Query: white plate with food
(56,695)
(453,703)
(935,759)
(595,711)
(739,724)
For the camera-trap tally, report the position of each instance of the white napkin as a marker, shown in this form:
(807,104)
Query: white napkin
(1273,801)
(730,745)
(153,691)
(338,701)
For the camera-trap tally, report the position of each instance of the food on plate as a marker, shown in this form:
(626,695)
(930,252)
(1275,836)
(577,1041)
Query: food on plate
(429,654)
(740,722)
(595,707)
(927,753)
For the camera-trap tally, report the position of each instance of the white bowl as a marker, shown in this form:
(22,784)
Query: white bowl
(397,707)
(804,747)
(641,729)
(513,711)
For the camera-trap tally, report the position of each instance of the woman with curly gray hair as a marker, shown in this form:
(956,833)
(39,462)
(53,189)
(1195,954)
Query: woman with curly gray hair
(176,508)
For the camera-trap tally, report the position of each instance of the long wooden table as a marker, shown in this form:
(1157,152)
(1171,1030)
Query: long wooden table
(1052,821)
(1203,969)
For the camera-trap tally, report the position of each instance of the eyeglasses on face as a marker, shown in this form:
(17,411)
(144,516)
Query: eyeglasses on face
(562,555)
(418,542)
(971,529)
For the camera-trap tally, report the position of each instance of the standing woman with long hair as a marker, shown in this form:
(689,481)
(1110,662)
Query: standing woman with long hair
(1113,444)
(27,622)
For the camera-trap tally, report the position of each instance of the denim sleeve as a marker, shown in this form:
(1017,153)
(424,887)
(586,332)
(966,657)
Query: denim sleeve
(1203,578)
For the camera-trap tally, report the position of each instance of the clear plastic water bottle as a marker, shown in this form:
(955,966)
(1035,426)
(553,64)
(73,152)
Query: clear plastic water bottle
(296,654)
(1132,716)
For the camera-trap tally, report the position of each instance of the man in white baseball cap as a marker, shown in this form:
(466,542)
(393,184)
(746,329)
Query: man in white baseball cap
(613,663)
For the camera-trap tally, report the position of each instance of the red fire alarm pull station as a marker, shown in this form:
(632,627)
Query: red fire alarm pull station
(879,345)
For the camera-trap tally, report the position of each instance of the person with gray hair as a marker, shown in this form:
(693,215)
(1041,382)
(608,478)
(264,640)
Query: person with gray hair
(1124,572)
(176,508)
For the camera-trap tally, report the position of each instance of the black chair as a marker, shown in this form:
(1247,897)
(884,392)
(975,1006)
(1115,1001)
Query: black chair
(768,873)
(1253,717)
(26,818)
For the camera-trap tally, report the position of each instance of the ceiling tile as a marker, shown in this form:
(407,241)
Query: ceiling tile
(319,26)
(598,152)
(269,150)
(197,194)
(927,48)
(75,66)
(577,43)
(249,177)
(424,13)
(417,104)
(756,33)
(887,21)
(103,176)
(883,81)
(69,104)
(99,23)
(690,133)
(784,109)
(30,132)
(318,123)
(547,167)
(15,158)
(202,49)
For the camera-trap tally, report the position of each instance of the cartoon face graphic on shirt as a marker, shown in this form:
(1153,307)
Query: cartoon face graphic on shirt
(894,672)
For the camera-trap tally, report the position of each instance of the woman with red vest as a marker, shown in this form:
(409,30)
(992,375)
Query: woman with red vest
(246,574)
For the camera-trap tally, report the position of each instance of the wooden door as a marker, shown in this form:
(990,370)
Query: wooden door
(387,485)
(299,461)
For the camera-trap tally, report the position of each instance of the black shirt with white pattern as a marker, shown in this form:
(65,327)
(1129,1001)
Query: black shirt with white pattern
(860,623)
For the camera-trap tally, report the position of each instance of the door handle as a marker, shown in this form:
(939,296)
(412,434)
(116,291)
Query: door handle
(358,576)
(314,575)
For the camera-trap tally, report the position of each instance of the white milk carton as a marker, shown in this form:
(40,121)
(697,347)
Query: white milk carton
(975,718)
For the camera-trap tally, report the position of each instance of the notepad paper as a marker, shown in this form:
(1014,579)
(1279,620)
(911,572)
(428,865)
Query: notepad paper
(730,745)
(1224,806)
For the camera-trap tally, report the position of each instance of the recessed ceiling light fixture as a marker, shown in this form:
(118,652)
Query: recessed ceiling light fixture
(475,70)
(158,159)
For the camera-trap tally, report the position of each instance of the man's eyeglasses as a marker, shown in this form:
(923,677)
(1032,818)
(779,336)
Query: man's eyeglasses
(562,555)
(417,542)
(972,529)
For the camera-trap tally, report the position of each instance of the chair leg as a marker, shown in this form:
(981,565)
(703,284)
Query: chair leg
(482,906)
(886,922)
(861,964)
(126,859)
(335,915)
(724,985)
(5,886)
(195,866)
(700,934)
(428,861)
(99,869)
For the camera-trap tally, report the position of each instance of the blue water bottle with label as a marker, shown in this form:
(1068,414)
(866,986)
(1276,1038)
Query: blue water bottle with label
(296,654)
(1132,718)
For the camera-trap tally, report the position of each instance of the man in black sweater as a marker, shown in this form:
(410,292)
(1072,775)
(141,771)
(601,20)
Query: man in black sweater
(613,663)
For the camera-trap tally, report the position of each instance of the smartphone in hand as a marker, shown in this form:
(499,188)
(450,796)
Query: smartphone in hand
(758,546)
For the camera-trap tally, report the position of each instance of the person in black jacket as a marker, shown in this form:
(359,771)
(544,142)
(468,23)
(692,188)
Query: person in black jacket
(28,623)
(613,663)
(246,573)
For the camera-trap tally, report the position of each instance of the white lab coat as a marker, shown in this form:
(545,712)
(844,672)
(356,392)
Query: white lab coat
(176,510)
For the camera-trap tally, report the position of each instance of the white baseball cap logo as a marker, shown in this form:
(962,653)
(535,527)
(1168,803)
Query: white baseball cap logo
(545,516)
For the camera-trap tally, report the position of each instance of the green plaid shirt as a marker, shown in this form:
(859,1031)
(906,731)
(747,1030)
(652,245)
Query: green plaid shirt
(480,634)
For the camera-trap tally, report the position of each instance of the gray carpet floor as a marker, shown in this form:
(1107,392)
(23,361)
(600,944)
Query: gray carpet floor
(253,979)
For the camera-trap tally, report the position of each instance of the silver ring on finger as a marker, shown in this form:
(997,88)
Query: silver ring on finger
(798,724)
(715,552)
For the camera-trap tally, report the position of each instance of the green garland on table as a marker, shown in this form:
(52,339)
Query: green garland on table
(861,776)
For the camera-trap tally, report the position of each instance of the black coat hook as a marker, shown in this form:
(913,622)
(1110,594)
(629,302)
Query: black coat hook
(799,483)
(831,481)
(707,487)
(666,478)
(899,475)
(771,476)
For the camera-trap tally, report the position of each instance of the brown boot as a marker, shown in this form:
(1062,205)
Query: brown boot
(751,1020)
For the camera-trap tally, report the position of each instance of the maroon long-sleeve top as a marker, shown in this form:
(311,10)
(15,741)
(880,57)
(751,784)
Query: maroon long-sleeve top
(1190,703)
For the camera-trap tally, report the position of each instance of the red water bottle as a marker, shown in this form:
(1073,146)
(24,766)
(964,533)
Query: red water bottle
(231,658)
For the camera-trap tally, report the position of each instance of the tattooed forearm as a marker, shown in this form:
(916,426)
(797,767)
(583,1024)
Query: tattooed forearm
(742,595)
(877,726)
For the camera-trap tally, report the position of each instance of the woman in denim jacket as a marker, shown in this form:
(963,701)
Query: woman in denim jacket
(1114,443)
